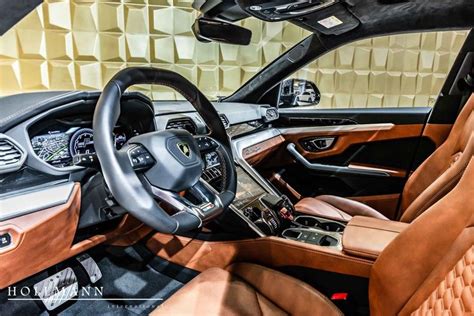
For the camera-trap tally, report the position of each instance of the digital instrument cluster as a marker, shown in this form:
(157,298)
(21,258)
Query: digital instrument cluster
(58,147)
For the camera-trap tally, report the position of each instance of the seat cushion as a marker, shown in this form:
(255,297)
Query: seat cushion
(246,289)
(336,208)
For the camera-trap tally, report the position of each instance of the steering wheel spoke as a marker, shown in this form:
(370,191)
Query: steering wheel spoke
(208,203)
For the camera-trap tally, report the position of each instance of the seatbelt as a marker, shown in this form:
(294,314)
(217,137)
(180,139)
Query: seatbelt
(466,85)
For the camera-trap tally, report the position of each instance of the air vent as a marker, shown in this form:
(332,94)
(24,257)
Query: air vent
(224,120)
(182,123)
(12,156)
(270,114)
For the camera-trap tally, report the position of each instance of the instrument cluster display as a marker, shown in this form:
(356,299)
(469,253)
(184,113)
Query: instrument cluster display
(58,147)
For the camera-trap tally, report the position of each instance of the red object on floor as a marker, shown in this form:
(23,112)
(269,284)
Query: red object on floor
(339,297)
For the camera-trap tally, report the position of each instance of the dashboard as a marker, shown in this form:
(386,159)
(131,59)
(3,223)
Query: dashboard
(55,138)
(59,127)
(42,132)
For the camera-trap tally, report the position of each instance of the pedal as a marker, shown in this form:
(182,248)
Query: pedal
(90,266)
(57,289)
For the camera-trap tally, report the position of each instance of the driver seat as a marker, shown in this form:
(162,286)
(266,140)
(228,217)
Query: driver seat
(427,270)
(435,177)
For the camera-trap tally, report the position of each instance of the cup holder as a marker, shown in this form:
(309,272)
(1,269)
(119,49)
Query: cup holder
(311,236)
(314,222)
(328,241)
(332,227)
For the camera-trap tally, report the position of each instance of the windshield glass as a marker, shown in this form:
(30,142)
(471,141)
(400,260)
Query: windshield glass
(70,45)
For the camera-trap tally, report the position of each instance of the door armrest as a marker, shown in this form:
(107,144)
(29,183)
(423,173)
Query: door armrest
(367,237)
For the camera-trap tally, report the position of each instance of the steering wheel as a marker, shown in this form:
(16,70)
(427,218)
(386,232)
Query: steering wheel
(156,167)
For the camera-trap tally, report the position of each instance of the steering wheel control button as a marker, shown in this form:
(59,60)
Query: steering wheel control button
(140,158)
(205,143)
(5,240)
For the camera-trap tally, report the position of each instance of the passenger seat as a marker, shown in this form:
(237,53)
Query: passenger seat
(432,180)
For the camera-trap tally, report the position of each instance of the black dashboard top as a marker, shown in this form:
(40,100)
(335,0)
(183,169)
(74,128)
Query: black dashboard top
(17,108)
(53,127)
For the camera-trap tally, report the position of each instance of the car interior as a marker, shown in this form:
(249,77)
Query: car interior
(236,157)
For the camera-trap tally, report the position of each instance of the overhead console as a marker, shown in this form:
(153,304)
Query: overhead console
(329,17)
(278,10)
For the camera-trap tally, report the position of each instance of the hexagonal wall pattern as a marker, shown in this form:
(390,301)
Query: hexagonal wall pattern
(81,44)
(404,70)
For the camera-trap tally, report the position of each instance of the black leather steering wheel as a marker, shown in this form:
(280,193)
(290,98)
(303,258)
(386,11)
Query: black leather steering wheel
(155,167)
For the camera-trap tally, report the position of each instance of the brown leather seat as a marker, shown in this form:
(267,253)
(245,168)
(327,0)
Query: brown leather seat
(427,270)
(246,289)
(435,177)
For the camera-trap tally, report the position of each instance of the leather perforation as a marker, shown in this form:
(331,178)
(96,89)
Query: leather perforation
(455,294)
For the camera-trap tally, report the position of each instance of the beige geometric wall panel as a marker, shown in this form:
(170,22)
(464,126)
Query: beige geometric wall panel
(81,44)
(404,70)
(76,44)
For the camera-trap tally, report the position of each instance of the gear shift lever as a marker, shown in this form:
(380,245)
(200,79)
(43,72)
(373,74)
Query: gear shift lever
(280,204)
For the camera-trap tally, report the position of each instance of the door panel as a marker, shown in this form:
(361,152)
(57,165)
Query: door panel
(384,140)
(348,136)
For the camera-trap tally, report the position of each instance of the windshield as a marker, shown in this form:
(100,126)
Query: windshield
(80,46)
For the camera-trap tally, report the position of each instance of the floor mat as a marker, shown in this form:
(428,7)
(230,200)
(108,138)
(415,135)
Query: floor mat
(132,286)
(129,286)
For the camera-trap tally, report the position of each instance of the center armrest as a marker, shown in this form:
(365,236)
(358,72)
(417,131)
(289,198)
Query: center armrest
(367,237)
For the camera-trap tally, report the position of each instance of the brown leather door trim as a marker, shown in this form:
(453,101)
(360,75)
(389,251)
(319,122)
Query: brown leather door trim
(347,137)
(45,238)
(268,251)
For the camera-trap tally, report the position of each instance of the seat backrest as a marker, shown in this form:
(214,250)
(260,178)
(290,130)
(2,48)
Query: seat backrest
(440,172)
(429,267)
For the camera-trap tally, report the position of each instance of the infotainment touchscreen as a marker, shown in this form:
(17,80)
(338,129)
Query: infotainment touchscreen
(247,189)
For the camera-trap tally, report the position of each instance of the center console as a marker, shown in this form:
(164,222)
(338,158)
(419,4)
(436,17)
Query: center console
(315,230)
(272,215)
(267,212)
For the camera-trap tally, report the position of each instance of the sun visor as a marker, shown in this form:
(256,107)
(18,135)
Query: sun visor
(12,11)
(333,20)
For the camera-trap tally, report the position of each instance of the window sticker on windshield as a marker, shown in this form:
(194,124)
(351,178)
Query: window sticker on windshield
(330,22)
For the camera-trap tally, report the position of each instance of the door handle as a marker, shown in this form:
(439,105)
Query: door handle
(323,143)
(342,170)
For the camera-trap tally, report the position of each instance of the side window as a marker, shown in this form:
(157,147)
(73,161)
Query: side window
(406,70)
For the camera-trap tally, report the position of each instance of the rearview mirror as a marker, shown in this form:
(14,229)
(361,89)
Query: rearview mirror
(298,92)
(207,30)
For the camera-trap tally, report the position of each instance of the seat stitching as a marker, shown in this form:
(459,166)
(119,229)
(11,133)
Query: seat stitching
(374,228)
